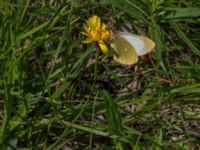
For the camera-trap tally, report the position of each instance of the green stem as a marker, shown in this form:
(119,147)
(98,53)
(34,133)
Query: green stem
(92,89)
(96,65)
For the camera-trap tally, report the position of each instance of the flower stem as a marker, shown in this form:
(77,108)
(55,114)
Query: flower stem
(96,65)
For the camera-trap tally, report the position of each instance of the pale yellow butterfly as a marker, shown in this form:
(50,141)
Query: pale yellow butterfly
(129,46)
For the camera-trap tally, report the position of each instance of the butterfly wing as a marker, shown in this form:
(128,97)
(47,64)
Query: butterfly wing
(125,52)
(142,45)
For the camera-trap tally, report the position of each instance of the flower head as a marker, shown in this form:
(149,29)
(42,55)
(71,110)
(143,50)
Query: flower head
(96,32)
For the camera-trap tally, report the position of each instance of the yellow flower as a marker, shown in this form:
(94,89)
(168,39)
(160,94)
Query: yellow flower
(96,32)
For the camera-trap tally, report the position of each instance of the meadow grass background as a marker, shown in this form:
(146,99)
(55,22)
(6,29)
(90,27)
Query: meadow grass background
(57,93)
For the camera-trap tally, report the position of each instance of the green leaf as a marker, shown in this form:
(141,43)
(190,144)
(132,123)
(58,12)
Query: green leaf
(113,114)
(182,35)
(183,13)
(158,142)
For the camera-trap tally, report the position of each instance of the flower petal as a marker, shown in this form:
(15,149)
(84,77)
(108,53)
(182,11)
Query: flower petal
(86,28)
(103,47)
(86,34)
(105,35)
(103,26)
(89,40)
(98,23)
(92,21)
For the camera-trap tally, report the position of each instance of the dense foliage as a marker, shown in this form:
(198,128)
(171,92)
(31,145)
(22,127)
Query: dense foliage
(58,93)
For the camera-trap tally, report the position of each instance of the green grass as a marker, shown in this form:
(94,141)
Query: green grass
(51,98)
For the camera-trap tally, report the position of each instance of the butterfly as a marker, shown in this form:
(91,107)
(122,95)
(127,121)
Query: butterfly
(128,47)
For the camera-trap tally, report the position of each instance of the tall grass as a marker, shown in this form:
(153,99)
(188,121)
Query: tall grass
(56,93)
